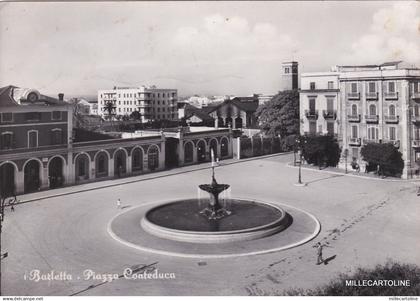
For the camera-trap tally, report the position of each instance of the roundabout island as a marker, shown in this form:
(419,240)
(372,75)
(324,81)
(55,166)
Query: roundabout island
(213,227)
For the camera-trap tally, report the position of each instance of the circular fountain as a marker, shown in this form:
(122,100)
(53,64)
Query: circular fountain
(235,220)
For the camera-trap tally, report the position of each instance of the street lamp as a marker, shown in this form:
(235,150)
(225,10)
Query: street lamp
(346,153)
(298,144)
(2,205)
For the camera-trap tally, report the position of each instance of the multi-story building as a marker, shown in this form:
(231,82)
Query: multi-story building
(35,134)
(152,103)
(362,104)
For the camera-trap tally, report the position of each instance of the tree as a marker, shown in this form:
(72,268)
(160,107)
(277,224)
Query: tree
(321,150)
(280,115)
(385,156)
(109,109)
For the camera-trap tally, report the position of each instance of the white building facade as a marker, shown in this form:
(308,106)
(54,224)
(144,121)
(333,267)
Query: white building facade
(152,103)
(362,104)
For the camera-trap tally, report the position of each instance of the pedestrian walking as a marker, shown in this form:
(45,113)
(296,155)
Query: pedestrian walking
(119,204)
(319,259)
(12,208)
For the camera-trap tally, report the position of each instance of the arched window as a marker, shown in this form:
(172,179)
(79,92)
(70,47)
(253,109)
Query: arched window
(372,110)
(82,167)
(354,110)
(188,152)
(201,151)
(119,162)
(153,157)
(391,110)
(213,146)
(101,165)
(137,159)
(224,148)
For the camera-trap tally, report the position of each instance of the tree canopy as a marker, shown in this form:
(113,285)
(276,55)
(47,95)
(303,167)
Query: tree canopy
(321,150)
(384,155)
(280,115)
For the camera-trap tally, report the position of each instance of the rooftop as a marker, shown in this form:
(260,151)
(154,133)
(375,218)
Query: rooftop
(12,96)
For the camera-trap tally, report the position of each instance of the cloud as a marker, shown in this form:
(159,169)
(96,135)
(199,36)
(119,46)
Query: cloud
(225,40)
(393,35)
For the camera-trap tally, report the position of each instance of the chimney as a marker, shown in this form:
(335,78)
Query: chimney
(61,96)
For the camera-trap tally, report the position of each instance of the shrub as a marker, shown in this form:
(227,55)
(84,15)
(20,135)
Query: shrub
(246,148)
(257,146)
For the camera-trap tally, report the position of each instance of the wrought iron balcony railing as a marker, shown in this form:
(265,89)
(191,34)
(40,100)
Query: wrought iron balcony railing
(354,141)
(371,95)
(329,114)
(311,114)
(372,118)
(391,95)
(391,118)
(353,95)
(353,118)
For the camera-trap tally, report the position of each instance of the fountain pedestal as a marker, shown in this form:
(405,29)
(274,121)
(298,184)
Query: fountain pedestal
(214,210)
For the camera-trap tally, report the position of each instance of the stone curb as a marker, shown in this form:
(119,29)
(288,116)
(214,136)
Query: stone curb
(290,165)
(217,256)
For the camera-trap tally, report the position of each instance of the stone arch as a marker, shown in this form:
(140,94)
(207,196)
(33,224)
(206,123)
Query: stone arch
(153,156)
(137,157)
(201,149)
(82,166)
(188,151)
(214,145)
(8,175)
(56,170)
(120,161)
(32,169)
(224,147)
(101,161)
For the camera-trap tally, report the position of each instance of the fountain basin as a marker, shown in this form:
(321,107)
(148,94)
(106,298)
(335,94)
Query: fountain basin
(181,221)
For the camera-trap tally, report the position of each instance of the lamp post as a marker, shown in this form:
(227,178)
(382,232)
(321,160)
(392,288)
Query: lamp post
(346,153)
(298,144)
(300,168)
(2,205)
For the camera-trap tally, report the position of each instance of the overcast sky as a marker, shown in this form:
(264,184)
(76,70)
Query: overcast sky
(197,47)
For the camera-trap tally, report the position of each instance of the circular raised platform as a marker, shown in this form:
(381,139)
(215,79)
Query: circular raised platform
(182,221)
(126,229)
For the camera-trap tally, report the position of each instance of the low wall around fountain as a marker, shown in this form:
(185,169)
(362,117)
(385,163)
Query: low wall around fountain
(203,237)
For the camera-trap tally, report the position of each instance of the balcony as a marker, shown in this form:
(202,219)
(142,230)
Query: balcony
(391,119)
(415,119)
(391,95)
(415,96)
(395,143)
(372,96)
(329,114)
(353,95)
(353,118)
(366,141)
(311,114)
(415,143)
(355,141)
(372,118)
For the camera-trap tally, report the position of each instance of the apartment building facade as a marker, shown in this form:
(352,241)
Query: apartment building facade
(151,102)
(371,103)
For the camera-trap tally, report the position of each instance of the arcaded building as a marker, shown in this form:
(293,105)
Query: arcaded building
(362,104)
